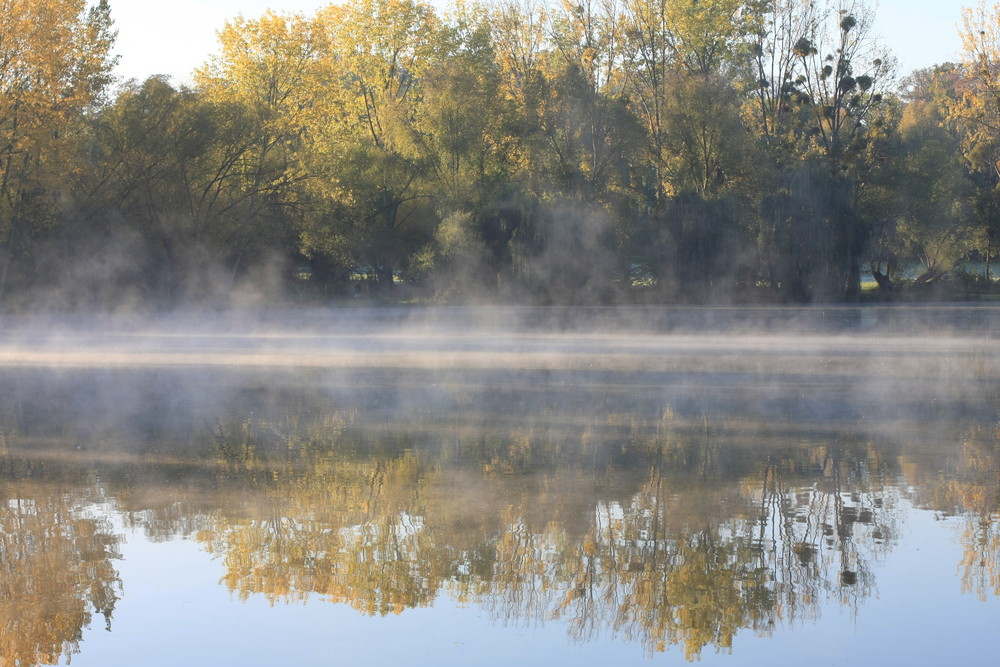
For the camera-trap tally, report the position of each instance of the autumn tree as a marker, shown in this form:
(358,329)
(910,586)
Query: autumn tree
(681,59)
(468,158)
(538,150)
(650,61)
(588,68)
(709,36)
(589,126)
(380,50)
(519,34)
(55,64)
(666,42)
(973,109)
(773,99)
(265,86)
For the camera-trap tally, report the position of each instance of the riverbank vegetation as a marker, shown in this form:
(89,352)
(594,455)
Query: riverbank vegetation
(514,151)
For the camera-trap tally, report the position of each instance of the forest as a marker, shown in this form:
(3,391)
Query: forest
(514,151)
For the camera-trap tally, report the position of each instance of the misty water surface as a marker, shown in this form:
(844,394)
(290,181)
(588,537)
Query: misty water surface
(502,486)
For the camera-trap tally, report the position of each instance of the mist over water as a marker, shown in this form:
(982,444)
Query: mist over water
(841,362)
(636,480)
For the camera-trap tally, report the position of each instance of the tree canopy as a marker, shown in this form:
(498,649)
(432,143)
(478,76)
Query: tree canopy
(526,150)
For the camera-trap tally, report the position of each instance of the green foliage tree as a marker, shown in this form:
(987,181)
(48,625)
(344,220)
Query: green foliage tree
(196,197)
(936,194)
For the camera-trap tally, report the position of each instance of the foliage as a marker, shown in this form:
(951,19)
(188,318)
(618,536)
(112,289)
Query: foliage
(529,150)
(55,65)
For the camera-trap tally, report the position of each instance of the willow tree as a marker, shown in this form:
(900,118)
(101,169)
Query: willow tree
(55,64)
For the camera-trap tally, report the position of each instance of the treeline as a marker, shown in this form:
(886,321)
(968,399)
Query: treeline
(577,152)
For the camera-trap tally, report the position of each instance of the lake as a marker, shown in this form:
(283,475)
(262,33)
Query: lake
(501,486)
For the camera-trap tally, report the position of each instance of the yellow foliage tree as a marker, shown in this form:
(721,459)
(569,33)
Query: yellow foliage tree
(55,62)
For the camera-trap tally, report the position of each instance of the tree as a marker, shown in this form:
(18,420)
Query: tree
(973,109)
(463,150)
(773,95)
(935,193)
(184,197)
(469,159)
(650,60)
(267,87)
(586,126)
(821,77)
(844,91)
(380,50)
(670,42)
(708,36)
(55,63)
(706,141)
(131,227)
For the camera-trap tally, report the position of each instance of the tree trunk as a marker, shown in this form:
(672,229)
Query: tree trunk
(989,247)
(853,294)
(3,275)
(882,279)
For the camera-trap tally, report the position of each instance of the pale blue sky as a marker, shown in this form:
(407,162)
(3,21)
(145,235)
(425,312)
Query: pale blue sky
(175,36)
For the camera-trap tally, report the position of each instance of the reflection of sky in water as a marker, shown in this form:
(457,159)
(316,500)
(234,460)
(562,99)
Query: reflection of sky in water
(174,611)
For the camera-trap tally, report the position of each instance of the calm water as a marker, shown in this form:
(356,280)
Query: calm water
(496,487)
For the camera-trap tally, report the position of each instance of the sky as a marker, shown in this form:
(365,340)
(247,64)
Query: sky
(173,37)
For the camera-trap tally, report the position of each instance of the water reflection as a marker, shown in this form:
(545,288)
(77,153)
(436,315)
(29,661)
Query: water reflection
(968,485)
(665,536)
(677,512)
(56,569)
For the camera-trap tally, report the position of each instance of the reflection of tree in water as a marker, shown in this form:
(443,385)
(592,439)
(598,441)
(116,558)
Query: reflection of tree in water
(665,538)
(981,563)
(56,570)
(341,529)
(596,509)
(823,518)
(692,564)
(657,530)
(657,572)
(969,487)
